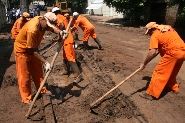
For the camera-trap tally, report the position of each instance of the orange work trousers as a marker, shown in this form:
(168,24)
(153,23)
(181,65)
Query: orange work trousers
(69,52)
(88,33)
(28,66)
(165,73)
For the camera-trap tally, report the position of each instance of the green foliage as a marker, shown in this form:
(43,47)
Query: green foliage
(136,8)
(76,3)
(133,8)
(14,3)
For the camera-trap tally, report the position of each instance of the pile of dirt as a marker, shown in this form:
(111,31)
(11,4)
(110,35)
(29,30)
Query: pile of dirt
(71,103)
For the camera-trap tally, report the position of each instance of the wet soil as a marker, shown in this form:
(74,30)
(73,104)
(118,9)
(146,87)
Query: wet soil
(125,47)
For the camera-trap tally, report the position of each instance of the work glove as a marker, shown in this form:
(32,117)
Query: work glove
(47,66)
(72,29)
(142,66)
(63,32)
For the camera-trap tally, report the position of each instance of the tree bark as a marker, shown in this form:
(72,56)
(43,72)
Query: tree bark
(24,6)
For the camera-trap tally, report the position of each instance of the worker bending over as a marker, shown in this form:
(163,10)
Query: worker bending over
(19,23)
(166,41)
(87,28)
(75,30)
(69,59)
(28,60)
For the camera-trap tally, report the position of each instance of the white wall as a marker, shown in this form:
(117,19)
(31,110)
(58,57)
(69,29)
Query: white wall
(111,12)
(106,11)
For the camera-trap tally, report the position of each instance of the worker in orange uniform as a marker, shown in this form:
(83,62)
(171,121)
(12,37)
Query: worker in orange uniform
(75,30)
(69,59)
(165,41)
(28,60)
(68,17)
(87,28)
(19,23)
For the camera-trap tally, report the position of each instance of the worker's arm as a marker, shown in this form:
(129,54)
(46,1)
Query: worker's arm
(57,31)
(151,54)
(75,25)
(35,52)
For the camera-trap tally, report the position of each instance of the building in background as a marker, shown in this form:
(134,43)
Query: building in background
(97,7)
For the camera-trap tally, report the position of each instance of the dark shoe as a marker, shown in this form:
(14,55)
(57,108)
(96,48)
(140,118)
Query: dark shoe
(100,48)
(29,104)
(175,92)
(146,96)
(66,70)
(74,68)
(85,45)
(99,44)
(48,93)
(64,73)
(78,79)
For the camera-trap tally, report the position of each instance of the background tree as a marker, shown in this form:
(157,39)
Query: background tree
(132,8)
(136,8)
(24,5)
(76,5)
(14,3)
(181,12)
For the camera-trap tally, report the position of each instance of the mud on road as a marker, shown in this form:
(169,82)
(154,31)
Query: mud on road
(124,49)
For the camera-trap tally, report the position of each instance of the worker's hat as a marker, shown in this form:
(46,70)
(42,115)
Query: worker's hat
(55,9)
(51,19)
(75,14)
(150,26)
(26,15)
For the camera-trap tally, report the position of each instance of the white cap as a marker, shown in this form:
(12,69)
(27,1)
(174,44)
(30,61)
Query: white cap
(55,9)
(75,14)
(51,19)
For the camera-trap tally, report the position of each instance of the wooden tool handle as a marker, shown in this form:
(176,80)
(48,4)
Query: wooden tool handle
(95,102)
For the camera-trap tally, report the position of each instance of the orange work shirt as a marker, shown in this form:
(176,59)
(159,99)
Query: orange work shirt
(30,36)
(19,23)
(61,19)
(83,23)
(166,41)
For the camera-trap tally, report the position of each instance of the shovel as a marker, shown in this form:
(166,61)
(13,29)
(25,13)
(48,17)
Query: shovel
(47,74)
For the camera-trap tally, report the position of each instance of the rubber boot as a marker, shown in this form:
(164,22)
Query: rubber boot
(66,68)
(99,44)
(85,45)
(76,37)
(77,74)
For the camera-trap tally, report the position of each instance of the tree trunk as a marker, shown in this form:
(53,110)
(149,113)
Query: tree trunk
(24,6)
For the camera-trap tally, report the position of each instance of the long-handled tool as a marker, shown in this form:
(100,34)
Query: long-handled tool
(47,74)
(92,104)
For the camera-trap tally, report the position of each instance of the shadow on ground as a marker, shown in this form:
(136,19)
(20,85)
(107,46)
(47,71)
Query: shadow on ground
(6,48)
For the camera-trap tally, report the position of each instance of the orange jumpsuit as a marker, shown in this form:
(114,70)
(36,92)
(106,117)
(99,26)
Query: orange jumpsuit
(68,50)
(19,23)
(172,50)
(27,64)
(86,26)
